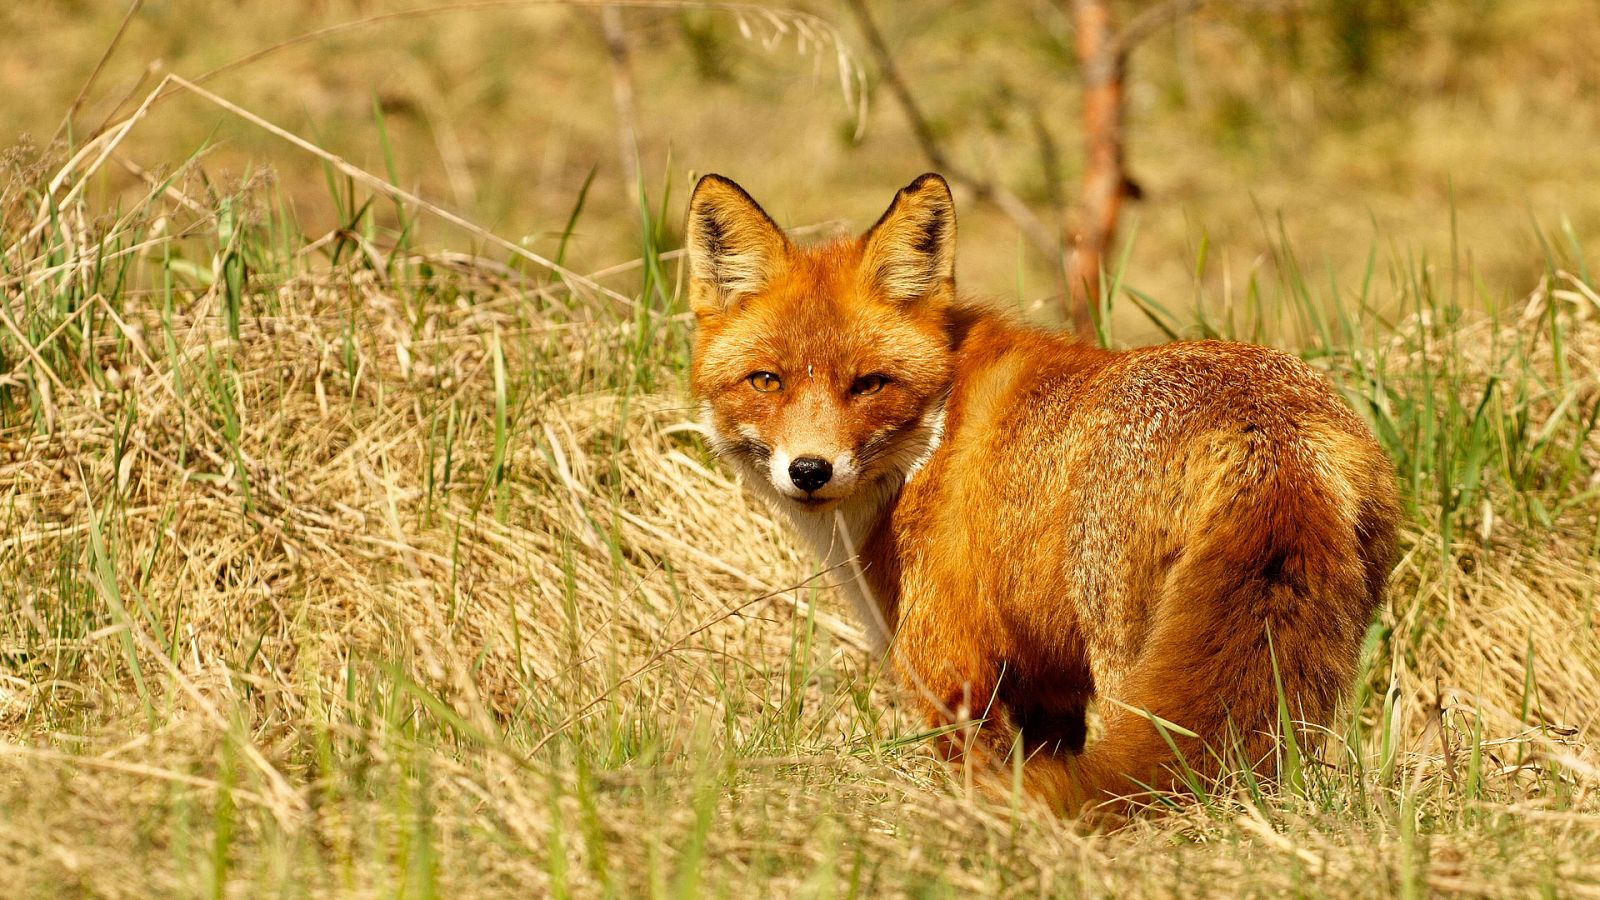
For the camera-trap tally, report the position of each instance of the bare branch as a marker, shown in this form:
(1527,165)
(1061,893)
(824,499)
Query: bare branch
(88,85)
(1148,22)
(1043,237)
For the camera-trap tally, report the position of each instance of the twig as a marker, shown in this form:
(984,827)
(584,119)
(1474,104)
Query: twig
(1041,236)
(88,84)
(133,91)
(1148,22)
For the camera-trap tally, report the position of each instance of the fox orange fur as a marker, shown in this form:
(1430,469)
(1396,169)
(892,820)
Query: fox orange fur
(1056,539)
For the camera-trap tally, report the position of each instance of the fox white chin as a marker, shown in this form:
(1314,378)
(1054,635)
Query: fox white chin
(834,525)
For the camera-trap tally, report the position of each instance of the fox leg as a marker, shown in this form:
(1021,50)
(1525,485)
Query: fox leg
(977,728)
(993,720)
(988,745)
(954,682)
(954,662)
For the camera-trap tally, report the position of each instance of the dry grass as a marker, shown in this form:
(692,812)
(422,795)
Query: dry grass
(344,565)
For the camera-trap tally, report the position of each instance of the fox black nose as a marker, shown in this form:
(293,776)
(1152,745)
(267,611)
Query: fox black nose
(810,472)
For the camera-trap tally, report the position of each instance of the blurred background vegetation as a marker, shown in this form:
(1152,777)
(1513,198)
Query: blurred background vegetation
(1354,125)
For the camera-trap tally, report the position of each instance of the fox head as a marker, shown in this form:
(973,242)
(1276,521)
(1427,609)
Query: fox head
(822,370)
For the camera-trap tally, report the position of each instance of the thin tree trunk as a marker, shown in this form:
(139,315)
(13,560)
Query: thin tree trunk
(1091,227)
(1101,58)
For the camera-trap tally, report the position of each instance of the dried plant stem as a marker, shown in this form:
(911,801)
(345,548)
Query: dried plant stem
(99,66)
(1042,236)
(618,56)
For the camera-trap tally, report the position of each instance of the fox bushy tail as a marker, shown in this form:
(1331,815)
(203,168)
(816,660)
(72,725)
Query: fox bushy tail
(1256,628)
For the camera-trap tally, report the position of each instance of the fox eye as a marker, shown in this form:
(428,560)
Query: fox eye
(766,382)
(867,385)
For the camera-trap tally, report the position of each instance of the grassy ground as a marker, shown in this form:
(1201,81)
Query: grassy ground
(373,558)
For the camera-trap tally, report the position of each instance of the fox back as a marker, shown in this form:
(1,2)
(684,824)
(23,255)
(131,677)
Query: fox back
(1060,546)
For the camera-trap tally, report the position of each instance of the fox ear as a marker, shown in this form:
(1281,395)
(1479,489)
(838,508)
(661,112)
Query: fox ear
(911,251)
(734,247)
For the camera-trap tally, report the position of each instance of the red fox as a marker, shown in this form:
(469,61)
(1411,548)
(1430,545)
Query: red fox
(1058,540)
